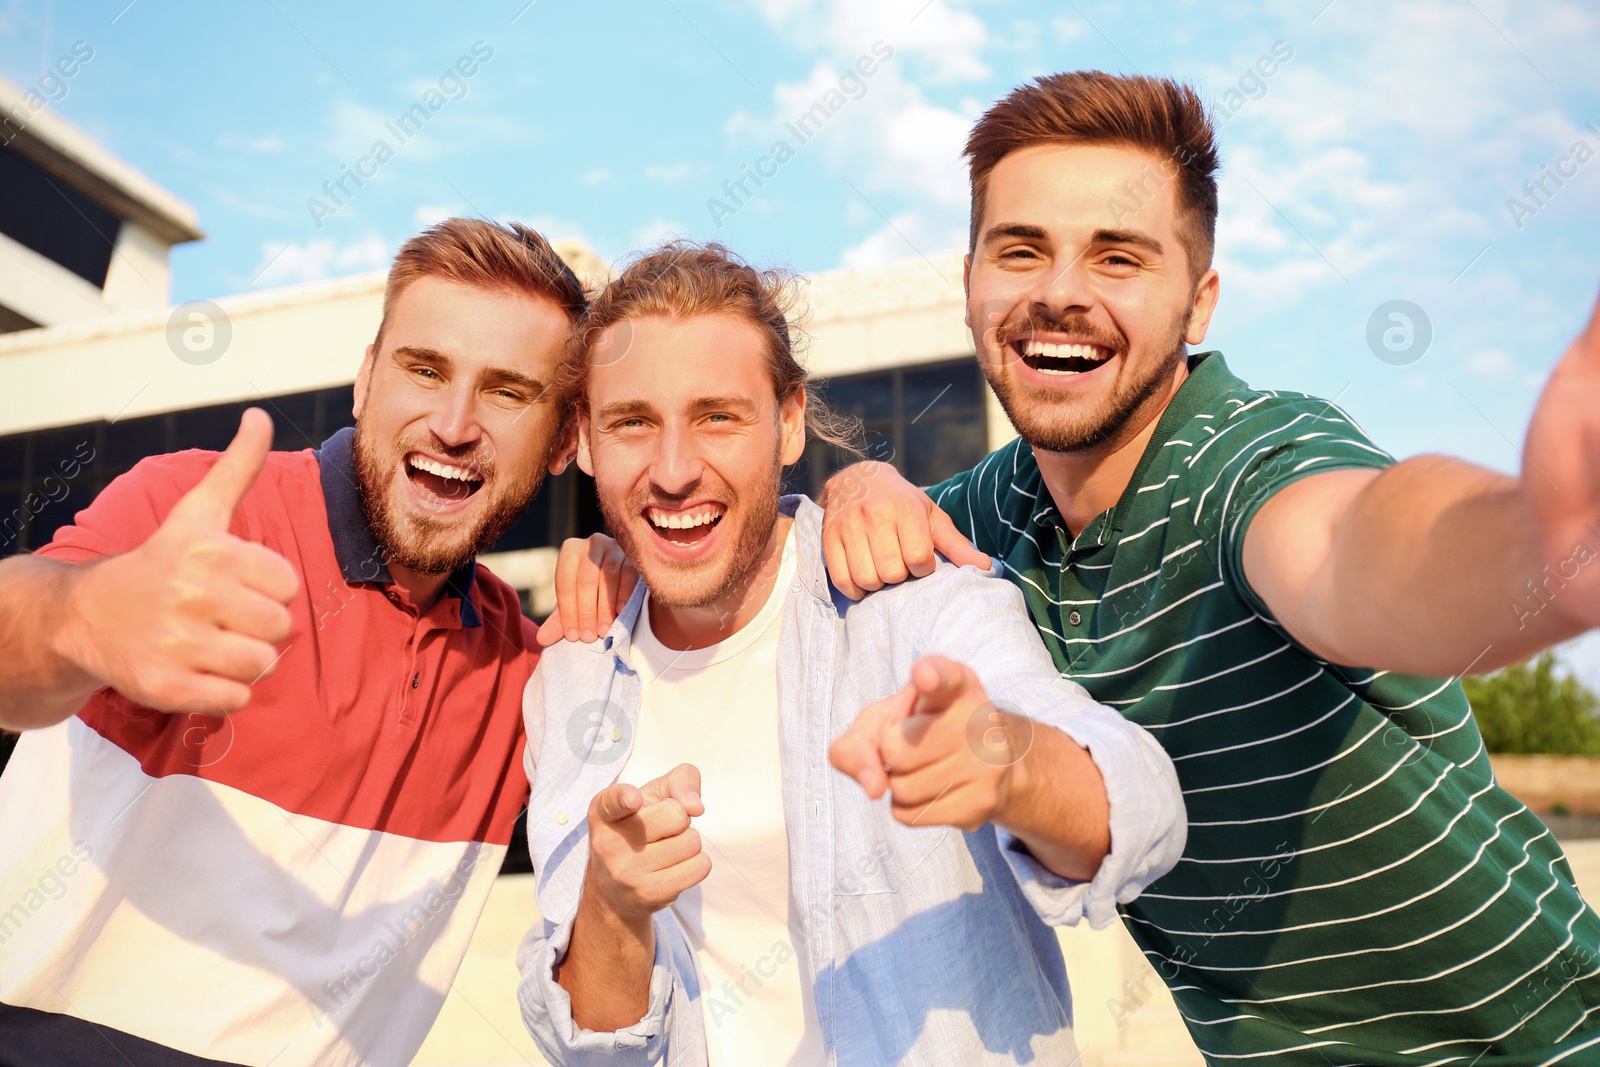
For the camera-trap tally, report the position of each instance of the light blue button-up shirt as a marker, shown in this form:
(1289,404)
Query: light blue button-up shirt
(926,945)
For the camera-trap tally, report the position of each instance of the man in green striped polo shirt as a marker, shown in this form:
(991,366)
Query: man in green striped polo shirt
(1284,607)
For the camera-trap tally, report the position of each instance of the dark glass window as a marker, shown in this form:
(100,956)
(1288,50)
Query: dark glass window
(44,213)
(929,421)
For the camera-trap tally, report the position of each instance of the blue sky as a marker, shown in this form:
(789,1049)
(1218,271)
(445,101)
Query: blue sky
(1374,164)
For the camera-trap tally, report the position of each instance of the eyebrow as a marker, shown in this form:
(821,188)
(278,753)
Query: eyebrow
(437,358)
(744,403)
(623,409)
(1015,229)
(1026,232)
(1137,238)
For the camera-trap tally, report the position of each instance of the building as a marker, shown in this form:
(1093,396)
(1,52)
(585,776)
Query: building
(98,371)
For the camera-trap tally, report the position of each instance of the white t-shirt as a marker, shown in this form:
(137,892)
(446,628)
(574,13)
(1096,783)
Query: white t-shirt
(717,708)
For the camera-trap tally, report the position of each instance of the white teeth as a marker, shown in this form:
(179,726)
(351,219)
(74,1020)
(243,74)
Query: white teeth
(1040,348)
(677,520)
(443,470)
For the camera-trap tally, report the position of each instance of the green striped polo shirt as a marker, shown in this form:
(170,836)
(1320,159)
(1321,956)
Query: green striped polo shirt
(1356,889)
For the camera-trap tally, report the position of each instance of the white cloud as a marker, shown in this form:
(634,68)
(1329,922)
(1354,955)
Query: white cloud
(425,215)
(933,34)
(597,176)
(1374,143)
(355,129)
(1068,30)
(886,138)
(884,132)
(669,173)
(905,236)
(656,231)
(1491,364)
(317,259)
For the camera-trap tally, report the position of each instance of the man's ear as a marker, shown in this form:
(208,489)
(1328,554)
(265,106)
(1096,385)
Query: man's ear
(566,445)
(966,288)
(363,381)
(584,456)
(1206,295)
(792,426)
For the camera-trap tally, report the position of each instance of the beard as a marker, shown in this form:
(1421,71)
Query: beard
(682,584)
(1046,420)
(421,543)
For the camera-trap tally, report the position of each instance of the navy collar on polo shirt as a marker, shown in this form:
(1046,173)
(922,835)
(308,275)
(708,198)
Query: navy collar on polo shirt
(359,554)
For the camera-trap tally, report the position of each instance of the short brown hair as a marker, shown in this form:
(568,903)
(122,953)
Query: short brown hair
(488,255)
(684,278)
(1158,115)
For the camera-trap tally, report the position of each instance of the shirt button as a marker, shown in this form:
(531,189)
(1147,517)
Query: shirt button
(1076,618)
(416,679)
(561,818)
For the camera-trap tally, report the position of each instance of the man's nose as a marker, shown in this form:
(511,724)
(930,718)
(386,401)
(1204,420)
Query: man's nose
(455,421)
(1063,290)
(678,465)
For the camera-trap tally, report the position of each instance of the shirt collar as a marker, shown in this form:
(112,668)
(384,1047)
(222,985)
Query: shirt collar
(1208,379)
(361,558)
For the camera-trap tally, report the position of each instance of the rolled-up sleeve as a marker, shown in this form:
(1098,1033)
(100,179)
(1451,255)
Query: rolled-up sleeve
(982,621)
(1148,826)
(547,1009)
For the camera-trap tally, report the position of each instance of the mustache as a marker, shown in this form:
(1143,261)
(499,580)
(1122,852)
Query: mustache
(1076,325)
(655,499)
(475,456)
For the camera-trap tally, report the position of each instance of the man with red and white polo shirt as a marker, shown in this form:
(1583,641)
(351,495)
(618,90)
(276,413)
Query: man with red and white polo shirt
(274,747)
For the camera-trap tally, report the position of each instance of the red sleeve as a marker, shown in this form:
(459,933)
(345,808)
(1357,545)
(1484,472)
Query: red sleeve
(133,507)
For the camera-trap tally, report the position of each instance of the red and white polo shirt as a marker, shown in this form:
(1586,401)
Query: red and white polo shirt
(296,883)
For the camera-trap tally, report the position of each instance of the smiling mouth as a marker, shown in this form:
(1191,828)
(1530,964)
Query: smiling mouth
(1065,359)
(443,481)
(685,527)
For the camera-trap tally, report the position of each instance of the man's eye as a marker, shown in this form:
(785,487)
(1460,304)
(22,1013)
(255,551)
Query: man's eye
(426,372)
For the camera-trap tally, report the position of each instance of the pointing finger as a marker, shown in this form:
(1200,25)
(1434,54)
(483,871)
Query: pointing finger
(858,752)
(939,683)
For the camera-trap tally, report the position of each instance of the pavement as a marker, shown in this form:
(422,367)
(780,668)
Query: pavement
(1123,1014)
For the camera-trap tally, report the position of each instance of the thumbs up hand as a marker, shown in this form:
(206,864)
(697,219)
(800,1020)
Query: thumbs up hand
(189,619)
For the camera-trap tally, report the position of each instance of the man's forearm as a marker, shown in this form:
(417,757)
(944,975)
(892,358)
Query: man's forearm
(38,685)
(606,971)
(1057,802)
(1435,567)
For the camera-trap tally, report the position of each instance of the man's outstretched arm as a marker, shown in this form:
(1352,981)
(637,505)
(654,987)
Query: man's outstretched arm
(1437,566)
(187,619)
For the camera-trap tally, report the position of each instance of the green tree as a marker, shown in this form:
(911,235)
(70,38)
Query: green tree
(1531,708)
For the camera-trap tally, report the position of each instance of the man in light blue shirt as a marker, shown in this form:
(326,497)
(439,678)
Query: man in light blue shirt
(750,903)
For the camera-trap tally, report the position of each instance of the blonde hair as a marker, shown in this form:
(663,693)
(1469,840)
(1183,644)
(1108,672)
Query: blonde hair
(684,278)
